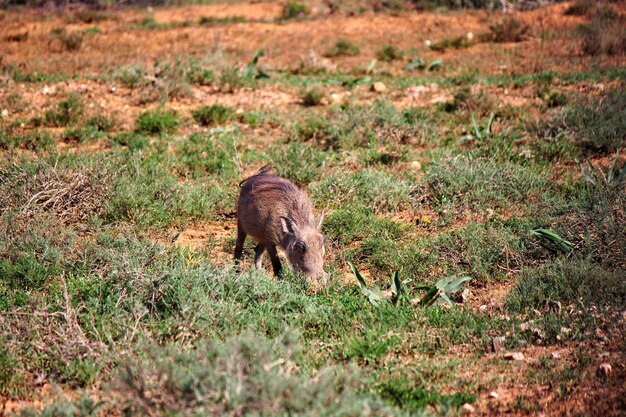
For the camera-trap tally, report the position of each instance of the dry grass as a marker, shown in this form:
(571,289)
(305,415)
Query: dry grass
(73,196)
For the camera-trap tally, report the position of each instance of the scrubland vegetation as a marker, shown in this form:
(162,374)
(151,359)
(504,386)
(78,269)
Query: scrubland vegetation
(493,151)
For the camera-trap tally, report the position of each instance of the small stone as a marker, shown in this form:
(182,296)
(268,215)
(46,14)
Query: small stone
(465,294)
(493,395)
(113,89)
(427,43)
(5,112)
(556,355)
(379,87)
(497,343)
(470,36)
(440,99)
(417,90)
(601,336)
(604,370)
(46,89)
(468,408)
(483,308)
(416,165)
(514,356)
(239,111)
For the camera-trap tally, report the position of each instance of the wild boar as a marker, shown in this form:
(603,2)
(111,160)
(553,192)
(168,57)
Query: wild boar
(276,213)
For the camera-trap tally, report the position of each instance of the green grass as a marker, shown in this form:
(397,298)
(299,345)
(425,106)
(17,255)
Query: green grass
(459,182)
(312,96)
(343,47)
(213,115)
(597,123)
(116,276)
(66,112)
(567,282)
(374,189)
(37,140)
(158,121)
(295,10)
(212,20)
(390,53)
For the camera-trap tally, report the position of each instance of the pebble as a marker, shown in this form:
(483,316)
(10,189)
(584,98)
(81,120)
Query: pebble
(379,87)
(493,395)
(498,343)
(514,356)
(468,408)
(556,355)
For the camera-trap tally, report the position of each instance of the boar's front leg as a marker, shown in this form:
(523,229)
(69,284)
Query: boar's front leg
(258,255)
(271,249)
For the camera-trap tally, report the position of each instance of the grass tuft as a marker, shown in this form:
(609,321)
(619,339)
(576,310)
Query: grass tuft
(159,121)
(67,112)
(343,47)
(213,115)
(389,53)
(313,96)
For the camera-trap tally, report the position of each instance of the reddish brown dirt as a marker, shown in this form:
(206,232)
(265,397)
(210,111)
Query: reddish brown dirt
(288,46)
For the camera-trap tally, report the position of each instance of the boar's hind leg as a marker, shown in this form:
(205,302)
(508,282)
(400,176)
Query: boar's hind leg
(271,249)
(241,237)
(258,255)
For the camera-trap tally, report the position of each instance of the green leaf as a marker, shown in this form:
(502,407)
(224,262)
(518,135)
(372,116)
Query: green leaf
(443,282)
(444,298)
(430,296)
(490,123)
(476,128)
(396,287)
(358,276)
(621,174)
(611,173)
(249,71)
(417,63)
(585,174)
(456,284)
(370,67)
(563,245)
(435,65)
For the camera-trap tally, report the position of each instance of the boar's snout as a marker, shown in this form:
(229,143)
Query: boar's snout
(304,248)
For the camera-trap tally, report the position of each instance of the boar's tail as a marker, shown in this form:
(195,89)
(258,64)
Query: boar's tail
(263,170)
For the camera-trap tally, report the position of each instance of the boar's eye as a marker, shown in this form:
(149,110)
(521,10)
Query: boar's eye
(300,246)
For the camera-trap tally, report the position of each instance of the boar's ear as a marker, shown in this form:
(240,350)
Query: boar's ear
(288,225)
(319,219)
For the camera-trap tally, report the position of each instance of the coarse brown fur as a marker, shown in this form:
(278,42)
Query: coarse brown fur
(277,214)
